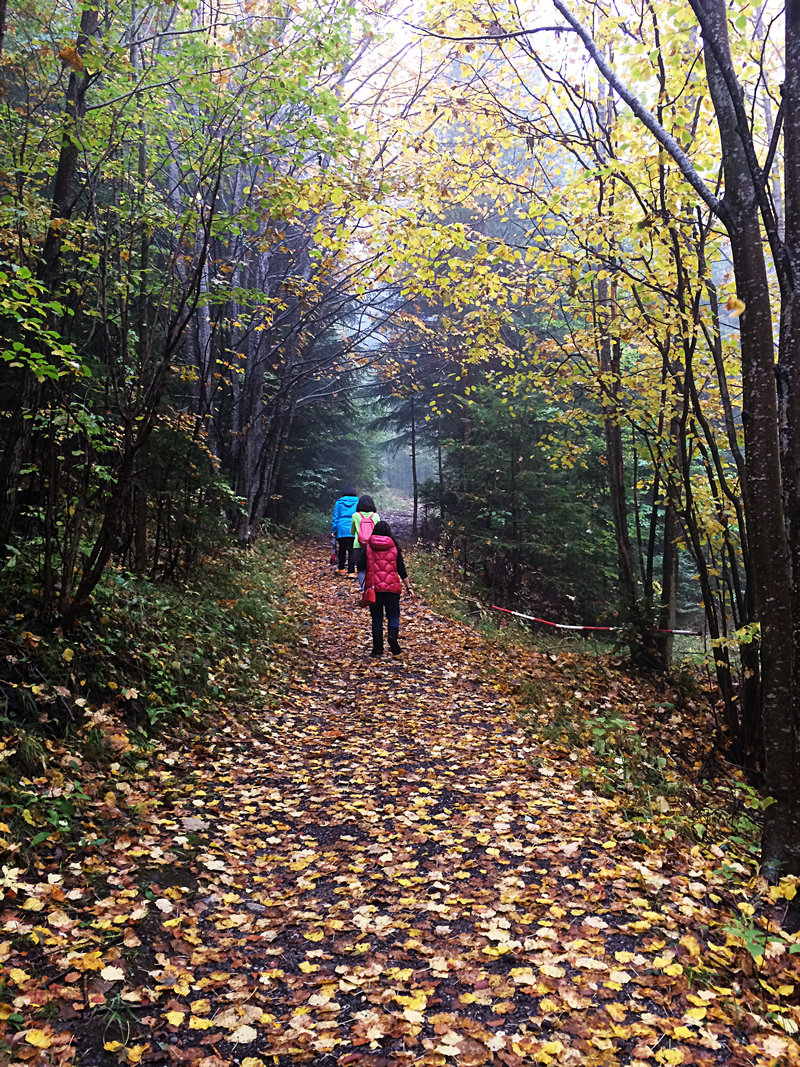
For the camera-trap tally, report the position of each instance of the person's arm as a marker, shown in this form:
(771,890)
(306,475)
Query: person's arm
(403,573)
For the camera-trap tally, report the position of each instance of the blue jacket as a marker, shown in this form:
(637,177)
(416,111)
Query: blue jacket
(343,511)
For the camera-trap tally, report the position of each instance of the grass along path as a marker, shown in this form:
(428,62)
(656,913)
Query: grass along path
(380,872)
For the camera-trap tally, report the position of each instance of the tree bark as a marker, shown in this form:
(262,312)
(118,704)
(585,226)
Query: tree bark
(767,531)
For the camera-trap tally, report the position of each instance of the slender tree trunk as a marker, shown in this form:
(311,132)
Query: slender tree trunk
(3,19)
(609,360)
(669,584)
(789,379)
(414,482)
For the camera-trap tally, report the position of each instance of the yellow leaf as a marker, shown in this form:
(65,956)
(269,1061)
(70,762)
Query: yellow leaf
(196,1023)
(673,970)
(672,1056)
(175,1018)
(696,1013)
(112,1046)
(314,935)
(38,1038)
(735,306)
(308,968)
(243,1034)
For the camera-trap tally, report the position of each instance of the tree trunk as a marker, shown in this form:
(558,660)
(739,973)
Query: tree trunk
(765,521)
(414,482)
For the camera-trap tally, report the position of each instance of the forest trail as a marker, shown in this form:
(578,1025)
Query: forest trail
(386,871)
(402,884)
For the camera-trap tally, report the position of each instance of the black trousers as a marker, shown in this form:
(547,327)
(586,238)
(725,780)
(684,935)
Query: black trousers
(347,551)
(390,603)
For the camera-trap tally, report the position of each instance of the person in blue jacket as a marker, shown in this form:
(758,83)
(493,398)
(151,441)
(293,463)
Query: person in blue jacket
(341,524)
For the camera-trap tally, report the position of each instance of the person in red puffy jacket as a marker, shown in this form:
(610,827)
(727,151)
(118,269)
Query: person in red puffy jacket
(385,571)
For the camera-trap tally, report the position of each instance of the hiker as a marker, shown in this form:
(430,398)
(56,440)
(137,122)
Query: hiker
(366,515)
(381,560)
(341,529)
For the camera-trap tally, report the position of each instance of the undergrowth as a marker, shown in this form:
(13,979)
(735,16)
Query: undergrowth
(87,705)
(646,740)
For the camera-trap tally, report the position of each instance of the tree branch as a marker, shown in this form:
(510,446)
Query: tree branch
(665,139)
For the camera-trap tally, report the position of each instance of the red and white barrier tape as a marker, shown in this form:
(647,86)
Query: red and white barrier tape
(568,626)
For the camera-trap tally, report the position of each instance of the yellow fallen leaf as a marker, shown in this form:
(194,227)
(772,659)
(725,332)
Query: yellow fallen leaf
(692,944)
(308,968)
(252,1061)
(196,1023)
(243,1034)
(552,970)
(314,935)
(175,1018)
(696,1013)
(415,1001)
(672,1056)
(38,1038)
(673,970)
(67,655)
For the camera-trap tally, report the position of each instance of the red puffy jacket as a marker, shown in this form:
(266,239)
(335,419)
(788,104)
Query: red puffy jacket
(382,573)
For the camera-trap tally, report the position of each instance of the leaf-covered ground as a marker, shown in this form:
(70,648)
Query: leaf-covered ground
(382,868)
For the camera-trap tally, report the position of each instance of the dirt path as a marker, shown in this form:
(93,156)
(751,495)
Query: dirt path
(385,872)
(397,878)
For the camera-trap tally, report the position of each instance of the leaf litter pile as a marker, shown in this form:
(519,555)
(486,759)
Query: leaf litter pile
(383,868)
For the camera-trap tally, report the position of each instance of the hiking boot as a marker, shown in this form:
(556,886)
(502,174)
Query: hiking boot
(341,570)
(376,652)
(394,646)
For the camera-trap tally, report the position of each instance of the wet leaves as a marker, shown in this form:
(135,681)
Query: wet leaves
(382,867)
